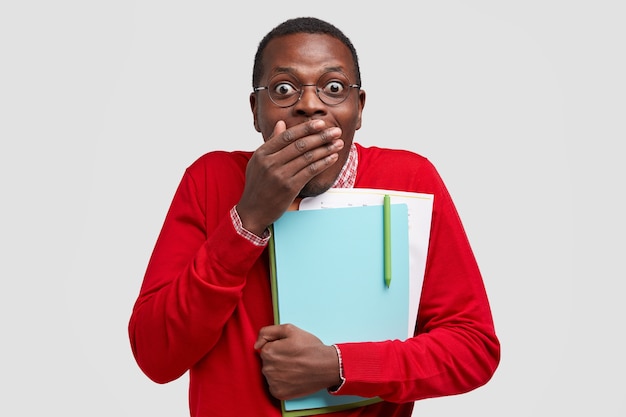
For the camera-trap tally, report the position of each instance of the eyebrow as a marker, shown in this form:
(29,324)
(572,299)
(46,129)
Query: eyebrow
(290,70)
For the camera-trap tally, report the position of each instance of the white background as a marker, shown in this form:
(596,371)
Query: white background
(103,104)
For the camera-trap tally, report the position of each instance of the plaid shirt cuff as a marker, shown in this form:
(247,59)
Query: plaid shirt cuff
(256,240)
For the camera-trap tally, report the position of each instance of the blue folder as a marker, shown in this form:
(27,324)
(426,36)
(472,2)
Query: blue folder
(327,269)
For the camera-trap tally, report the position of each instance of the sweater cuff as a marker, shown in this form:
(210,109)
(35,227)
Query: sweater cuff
(364,369)
(335,389)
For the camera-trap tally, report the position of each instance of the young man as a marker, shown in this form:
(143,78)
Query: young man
(205,304)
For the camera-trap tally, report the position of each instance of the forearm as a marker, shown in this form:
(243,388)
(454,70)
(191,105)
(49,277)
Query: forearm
(181,311)
(444,362)
(192,285)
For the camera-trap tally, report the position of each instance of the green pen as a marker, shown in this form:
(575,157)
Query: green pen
(387,238)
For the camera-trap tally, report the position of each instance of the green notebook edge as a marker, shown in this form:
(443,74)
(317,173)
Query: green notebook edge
(273,285)
(329,409)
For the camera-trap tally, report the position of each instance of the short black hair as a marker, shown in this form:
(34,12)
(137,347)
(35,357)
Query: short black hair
(302,25)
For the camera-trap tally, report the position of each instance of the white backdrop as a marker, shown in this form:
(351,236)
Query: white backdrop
(103,104)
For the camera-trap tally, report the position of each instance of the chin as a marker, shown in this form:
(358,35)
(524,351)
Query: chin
(314,188)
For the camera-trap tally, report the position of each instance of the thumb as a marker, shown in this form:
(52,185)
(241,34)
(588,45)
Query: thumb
(270,334)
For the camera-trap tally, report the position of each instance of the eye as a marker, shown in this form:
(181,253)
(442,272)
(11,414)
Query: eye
(284,89)
(334,88)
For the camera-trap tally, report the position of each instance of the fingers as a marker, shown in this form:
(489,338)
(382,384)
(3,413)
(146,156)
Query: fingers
(303,139)
(291,157)
(307,149)
(271,334)
(303,129)
(295,362)
(282,166)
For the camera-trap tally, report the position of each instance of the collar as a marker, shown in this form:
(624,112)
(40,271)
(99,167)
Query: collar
(347,176)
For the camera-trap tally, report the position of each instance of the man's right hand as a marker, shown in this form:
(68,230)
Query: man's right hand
(282,166)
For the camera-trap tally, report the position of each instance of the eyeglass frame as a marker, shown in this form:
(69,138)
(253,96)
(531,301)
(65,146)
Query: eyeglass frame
(301,89)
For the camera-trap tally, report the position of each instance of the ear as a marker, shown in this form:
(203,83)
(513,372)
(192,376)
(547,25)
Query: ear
(253,107)
(361,106)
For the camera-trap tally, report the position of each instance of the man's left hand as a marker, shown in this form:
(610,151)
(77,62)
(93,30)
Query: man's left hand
(295,362)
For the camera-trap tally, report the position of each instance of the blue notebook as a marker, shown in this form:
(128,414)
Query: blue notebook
(327,269)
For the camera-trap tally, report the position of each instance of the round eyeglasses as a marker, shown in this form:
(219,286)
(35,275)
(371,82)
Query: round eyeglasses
(285,90)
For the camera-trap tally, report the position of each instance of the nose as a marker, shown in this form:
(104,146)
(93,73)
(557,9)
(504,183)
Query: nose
(309,102)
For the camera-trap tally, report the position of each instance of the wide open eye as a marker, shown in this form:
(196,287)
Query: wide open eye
(334,88)
(281,90)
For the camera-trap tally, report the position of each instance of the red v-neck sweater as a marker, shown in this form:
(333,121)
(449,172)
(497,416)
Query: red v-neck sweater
(206,294)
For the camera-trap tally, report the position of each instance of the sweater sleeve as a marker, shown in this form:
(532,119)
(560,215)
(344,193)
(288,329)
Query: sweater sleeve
(455,348)
(192,285)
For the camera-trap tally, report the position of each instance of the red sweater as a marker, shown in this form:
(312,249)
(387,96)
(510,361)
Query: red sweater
(206,294)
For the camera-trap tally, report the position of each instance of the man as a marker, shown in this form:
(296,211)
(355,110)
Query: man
(205,304)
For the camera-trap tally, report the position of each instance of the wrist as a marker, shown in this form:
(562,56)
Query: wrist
(259,239)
